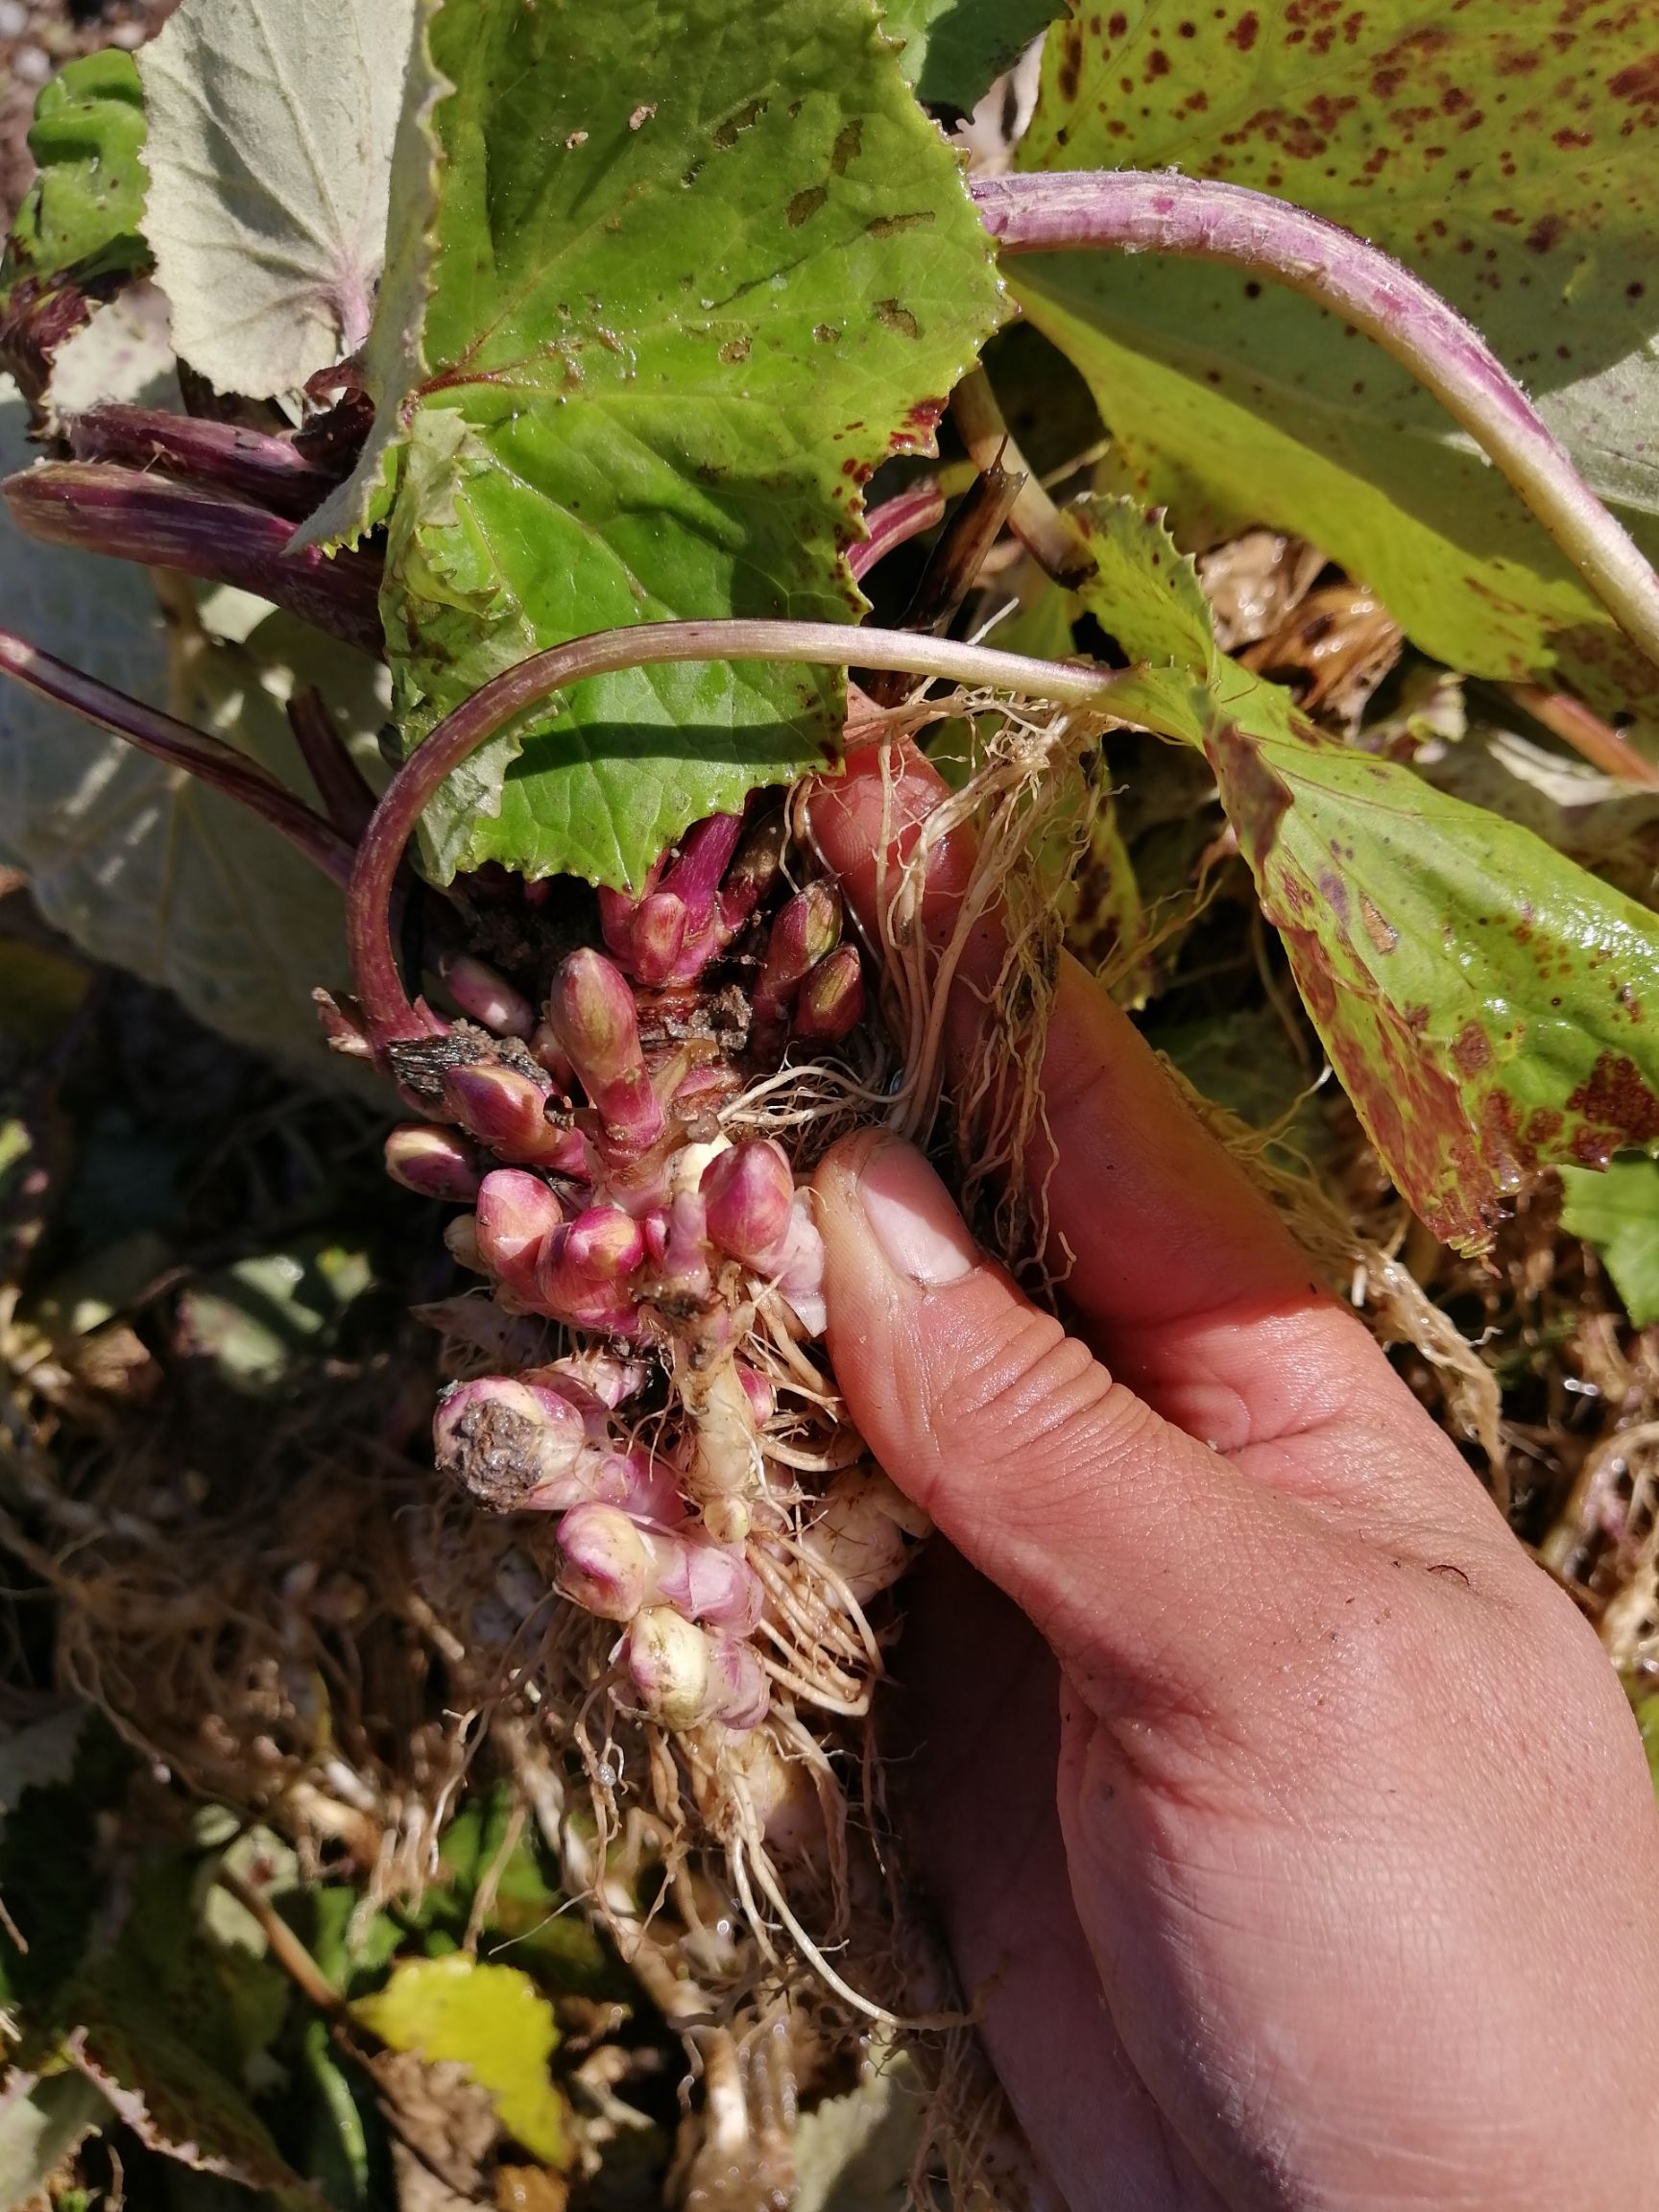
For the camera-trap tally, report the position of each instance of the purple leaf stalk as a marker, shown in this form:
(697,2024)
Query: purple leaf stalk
(1130,212)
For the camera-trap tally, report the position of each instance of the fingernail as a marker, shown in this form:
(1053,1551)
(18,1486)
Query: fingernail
(909,1210)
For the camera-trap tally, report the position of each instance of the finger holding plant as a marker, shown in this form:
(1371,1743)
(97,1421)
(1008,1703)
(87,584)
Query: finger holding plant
(583,385)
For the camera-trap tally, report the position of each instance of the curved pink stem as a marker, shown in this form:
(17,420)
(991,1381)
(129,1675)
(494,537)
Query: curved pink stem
(905,516)
(1165,213)
(388,1014)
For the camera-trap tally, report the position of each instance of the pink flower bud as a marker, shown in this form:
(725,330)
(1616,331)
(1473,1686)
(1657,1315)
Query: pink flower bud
(706,1581)
(505,1441)
(485,997)
(749,1192)
(669,1661)
(461,1241)
(517,1217)
(647,1488)
(831,997)
(583,1276)
(738,1691)
(547,1051)
(658,938)
(593,1015)
(502,1108)
(597,1374)
(753,871)
(799,1270)
(434,1161)
(803,930)
(762,1398)
(681,1274)
(604,1562)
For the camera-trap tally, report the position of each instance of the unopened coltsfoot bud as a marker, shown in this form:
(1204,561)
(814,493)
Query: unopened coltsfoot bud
(830,1000)
(504,1110)
(749,1194)
(805,929)
(605,1564)
(486,997)
(668,1659)
(506,1442)
(762,1398)
(585,1271)
(517,1217)
(593,1017)
(461,1239)
(434,1161)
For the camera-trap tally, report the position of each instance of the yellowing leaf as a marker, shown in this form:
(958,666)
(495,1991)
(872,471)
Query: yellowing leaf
(489,2018)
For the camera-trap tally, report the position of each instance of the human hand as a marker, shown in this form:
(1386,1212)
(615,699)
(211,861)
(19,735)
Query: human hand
(1288,1823)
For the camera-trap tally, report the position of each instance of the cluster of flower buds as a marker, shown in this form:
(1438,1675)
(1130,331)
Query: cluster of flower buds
(603,1196)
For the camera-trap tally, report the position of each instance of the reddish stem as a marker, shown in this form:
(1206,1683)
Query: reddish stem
(347,795)
(220,456)
(1166,214)
(388,1014)
(98,508)
(906,515)
(180,746)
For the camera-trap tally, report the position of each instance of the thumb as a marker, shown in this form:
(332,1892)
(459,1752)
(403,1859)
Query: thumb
(1099,1518)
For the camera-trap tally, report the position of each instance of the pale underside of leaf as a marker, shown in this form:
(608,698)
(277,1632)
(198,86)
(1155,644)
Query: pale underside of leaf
(1503,157)
(270,154)
(139,864)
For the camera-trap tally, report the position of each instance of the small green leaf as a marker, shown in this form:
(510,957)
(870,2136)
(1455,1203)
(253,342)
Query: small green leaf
(1617,1212)
(1485,1002)
(691,279)
(80,218)
(491,2019)
(1511,175)
(954,48)
(270,160)
(41,2123)
(254,1318)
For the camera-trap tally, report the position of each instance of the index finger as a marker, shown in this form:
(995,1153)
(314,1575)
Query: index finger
(1177,1261)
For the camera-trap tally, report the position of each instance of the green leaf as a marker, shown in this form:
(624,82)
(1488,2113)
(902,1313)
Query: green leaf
(254,1318)
(1514,175)
(56,1780)
(80,217)
(139,864)
(491,2019)
(1485,1002)
(855,2152)
(41,2123)
(692,277)
(1617,1212)
(953,48)
(270,160)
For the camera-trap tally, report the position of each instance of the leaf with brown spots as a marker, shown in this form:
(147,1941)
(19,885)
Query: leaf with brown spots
(1507,153)
(1490,1007)
(692,277)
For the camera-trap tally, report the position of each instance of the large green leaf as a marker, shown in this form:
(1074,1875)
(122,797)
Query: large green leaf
(694,273)
(1511,164)
(1486,1003)
(81,214)
(270,155)
(953,48)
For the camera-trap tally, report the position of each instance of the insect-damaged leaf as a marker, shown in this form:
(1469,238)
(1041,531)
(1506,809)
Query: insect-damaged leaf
(76,234)
(1489,1007)
(1505,152)
(270,154)
(954,48)
(692,275)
